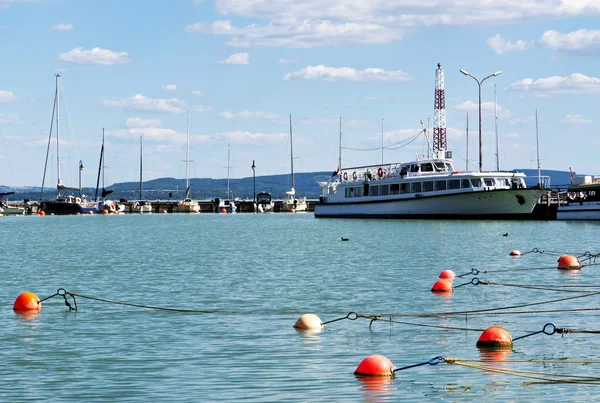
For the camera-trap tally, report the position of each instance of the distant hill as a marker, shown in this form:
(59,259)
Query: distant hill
(208,189)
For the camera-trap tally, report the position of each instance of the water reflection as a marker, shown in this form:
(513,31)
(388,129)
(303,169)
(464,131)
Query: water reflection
(376,388)
(27,315)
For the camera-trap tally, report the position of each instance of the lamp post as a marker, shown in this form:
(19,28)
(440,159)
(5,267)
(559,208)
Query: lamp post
(479,85)
(254,184)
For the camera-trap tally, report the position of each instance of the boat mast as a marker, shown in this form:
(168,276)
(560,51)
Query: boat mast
(340,160)
(57,132)
(291,152)
(537,141)
(80,169)
(496,129)
(100,168)
(187,156)
(49,140)
(141,167)
(467,142)
(381,141)
(228,167)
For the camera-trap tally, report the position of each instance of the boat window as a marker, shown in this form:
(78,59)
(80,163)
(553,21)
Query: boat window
(466,183)
(404,188)
(454,184)
(439,166)
(404,170)
(506,182)
(426,167)
(449,167)
(476,182)
(440,185)
(349,192)
(384,190)
(427,186)
(489,181)
(415,187)
(394,188)
(414,168)
(373,190)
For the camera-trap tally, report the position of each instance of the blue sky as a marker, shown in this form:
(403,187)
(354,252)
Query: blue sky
(241,67)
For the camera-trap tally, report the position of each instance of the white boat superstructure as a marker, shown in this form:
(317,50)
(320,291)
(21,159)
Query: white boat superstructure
(582,200)
(426,188)
(264,202)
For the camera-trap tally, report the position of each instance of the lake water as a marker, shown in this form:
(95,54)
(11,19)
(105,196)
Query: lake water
(256,275)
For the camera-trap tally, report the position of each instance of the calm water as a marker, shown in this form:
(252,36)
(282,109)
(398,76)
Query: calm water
(260,273)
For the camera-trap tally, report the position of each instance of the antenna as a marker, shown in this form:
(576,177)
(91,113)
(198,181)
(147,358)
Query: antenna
(496,129)
(439,105)
(381,141)
(340,160)
(467,168)
(537,140)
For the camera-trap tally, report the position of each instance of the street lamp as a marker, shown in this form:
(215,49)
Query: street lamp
(254,184)
(479,84)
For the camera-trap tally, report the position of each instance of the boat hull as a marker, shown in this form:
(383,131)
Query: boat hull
(494,204)
(577,211)
(62,208)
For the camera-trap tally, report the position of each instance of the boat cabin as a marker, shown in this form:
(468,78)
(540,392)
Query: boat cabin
(263,198)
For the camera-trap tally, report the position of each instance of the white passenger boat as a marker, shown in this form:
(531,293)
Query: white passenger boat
(426,188)
(582,201)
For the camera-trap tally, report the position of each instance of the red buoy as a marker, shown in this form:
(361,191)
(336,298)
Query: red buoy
(495,337)
(442,286)
(26,302)
(448,275)
(375,365)
(42,213)
(104,212)
(515,252)
(223,211)
(308,321)
(568,262)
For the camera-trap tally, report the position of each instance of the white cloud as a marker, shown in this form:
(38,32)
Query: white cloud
(139,102)
(7,96)
(62,28)
(9,119)
(95,56)
(322,72)
(237,58)
(169,87)
(150,133)
(486,107)
(250,137)
(245,114)
(576,83)
(140,122)
(197,93)
(583,40)
(287,61)
(306,33)
(500,45)
(575,120)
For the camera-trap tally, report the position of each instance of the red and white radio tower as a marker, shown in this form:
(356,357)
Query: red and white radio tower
(439,125)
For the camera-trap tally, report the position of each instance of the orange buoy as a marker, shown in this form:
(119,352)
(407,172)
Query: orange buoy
(448,275)
(26,302)
(308,321)
(375,365)
(568,262)
(104,212)
(42,213)
(292,211)
(515,253)
(442,286)
(223,211)
(495,337)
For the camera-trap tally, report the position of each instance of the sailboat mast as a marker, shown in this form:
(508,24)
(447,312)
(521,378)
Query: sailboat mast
(340,160)
(187,155)
(496,129)
(381,141)
(141,167)
(537,141)
(467,142)
(291,151)
(57,133)
(100,170)
(228,159)
(102,159)
(48,147)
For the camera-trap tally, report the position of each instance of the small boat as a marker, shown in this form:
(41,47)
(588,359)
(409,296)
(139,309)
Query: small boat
(264,202)
(63,204)
(187,205)
(582,201)
(6,208)
(292,203)
(427,188)
(141,206)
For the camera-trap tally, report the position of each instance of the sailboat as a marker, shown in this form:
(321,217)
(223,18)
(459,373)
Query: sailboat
(7,209)
(227,205)
(141,206)
(103,204)
(292,203)
(63,204)
(187,205)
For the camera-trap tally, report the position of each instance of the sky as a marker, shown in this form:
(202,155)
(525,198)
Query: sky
(240,68)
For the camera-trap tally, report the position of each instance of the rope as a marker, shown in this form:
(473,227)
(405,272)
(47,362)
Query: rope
(539,287)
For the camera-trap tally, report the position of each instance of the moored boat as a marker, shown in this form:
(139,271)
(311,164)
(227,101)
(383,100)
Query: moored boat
(292,203)
(264,202)
(187,205)
(8,209)
(582,200)
(426,188)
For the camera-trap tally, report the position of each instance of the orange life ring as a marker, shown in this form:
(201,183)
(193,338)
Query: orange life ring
(354,175)
(380,172)
(456,172)
(345,176)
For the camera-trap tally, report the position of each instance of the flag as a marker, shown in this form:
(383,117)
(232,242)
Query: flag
(571,173)
(336,172)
